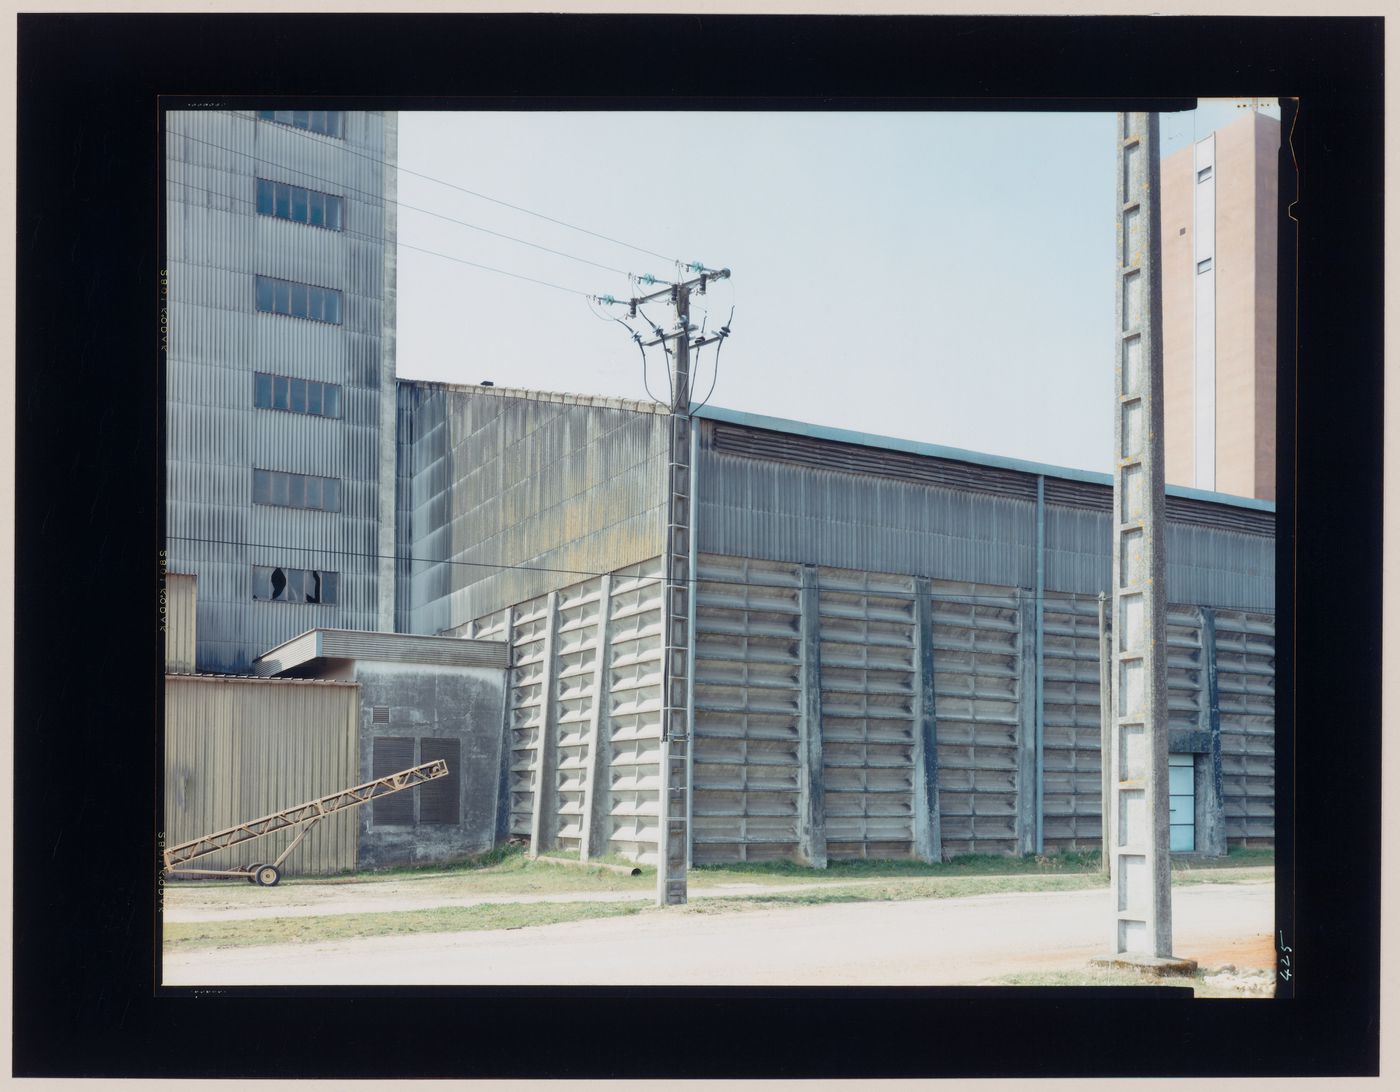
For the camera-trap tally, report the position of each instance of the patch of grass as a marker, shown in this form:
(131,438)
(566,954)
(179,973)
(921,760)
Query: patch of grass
(510,856)
(184,936)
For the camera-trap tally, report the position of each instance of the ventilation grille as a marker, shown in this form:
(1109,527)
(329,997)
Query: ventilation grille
(381,714)
(390,756)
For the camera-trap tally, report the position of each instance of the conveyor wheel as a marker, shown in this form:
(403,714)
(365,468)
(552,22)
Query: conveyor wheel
(266,875)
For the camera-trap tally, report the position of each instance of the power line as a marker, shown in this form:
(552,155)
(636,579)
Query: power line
(1003,600)
(369,237)
(341,186)
(342,146)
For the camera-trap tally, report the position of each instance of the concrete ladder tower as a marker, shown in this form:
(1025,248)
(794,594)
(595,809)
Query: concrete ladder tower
(1139,858)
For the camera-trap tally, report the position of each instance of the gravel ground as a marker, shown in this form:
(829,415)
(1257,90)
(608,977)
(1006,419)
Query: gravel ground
(920,942)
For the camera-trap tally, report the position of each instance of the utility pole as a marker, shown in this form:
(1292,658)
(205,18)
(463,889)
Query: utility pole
(1139,844)
(679,604)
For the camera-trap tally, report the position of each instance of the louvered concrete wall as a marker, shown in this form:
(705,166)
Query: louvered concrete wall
(983,657)
(238,749)
(584,720)
(1244,652)
(216,244)
(869,694)
(748,693)
(754,644)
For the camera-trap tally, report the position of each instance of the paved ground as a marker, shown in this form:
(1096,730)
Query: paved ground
(309,899)
(923,942)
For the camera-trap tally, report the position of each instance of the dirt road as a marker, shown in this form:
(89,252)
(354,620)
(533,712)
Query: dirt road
(923,942)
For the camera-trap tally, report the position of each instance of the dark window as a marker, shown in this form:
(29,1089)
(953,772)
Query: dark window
(297,395)
(299,300)
(439,801)
(283,584)
(329,122)
(305,206)
(391,755)
(279,488)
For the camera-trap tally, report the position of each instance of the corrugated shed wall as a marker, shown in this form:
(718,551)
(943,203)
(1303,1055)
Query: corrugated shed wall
(179,610)
(216,245)
(513,496)
(238,749)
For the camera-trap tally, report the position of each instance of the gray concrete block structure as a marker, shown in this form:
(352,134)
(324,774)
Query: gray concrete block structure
(420,698)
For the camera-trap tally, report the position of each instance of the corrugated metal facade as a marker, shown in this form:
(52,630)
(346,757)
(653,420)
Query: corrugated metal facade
(803,500)
(237,749)
(217,244)
(181,590)
(515,494)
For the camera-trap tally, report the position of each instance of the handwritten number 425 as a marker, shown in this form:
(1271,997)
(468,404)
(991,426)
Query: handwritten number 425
(1285,959)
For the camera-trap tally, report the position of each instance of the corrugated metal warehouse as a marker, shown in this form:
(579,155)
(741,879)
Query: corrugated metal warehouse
(924,620)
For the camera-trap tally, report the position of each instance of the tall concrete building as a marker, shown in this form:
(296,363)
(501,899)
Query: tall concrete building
(280,228)
(1219,308)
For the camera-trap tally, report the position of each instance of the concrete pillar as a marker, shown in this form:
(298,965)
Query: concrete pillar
(928,826)
(673,832)
(1210,773)
(596,794)
(1140,867)
(1105,731)
(1026,793)
(544,819)
(811,808)
(507,737)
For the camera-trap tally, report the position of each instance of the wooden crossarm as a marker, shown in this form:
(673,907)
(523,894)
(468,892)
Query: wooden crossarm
(301,813)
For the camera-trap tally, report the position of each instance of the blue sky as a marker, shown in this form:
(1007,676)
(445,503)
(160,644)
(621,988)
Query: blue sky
(938,277)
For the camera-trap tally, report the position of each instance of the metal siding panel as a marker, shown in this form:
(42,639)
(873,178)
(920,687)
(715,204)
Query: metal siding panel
(237,749)
(216,243)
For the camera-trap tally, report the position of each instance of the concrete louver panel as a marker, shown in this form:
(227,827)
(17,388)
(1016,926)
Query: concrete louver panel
(868,700)
(579,629)
(1073,790)
(747,694)
(583,724)
(633,714)
(983,676)
(1244,646)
